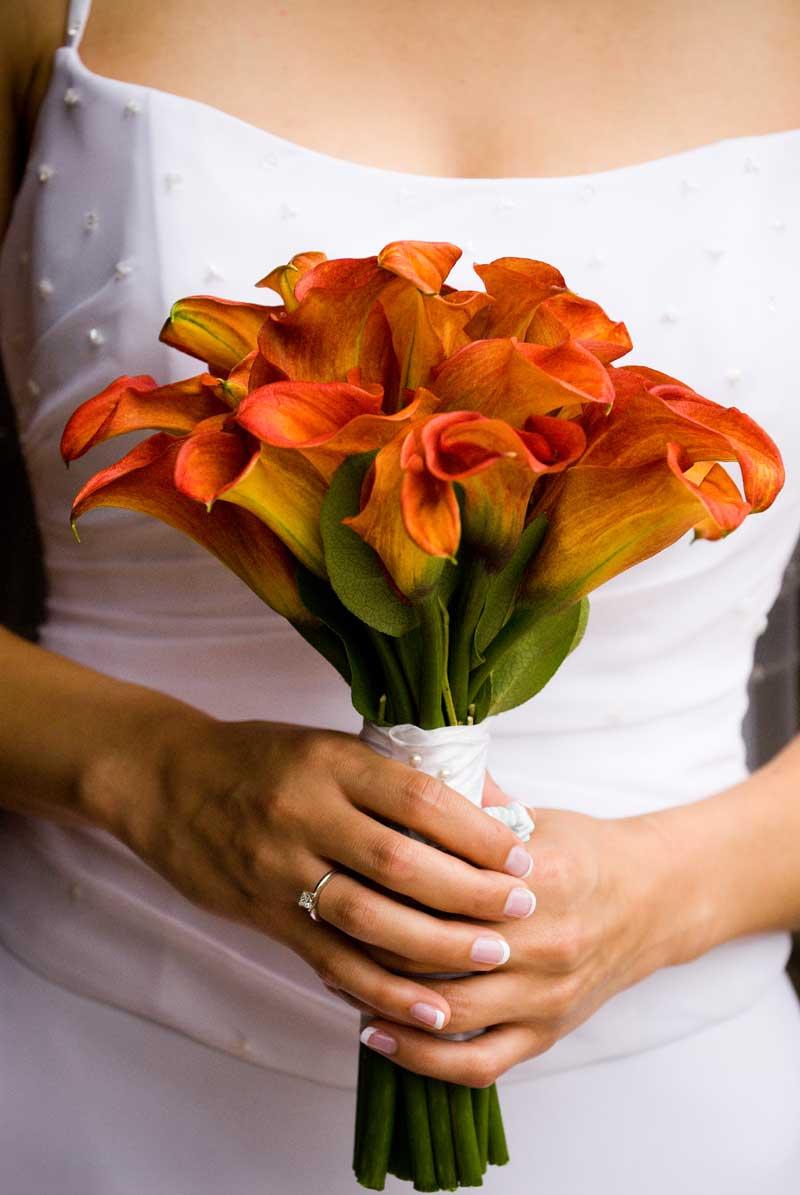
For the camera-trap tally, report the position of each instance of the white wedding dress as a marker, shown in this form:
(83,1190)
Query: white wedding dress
(150,1048)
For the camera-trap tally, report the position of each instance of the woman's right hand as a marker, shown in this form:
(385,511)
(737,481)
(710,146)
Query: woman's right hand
(245,815)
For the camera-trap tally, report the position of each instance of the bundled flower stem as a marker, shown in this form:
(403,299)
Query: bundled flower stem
(427,483)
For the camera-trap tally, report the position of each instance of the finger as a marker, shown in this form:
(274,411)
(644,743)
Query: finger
(418,870)
(475,1063)
(408,933)
(509,997)
(341,964)
(425,804)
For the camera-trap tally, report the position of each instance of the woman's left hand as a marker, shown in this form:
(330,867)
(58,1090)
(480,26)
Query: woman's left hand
(604,918)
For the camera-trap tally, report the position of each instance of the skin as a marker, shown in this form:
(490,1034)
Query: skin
(218,808)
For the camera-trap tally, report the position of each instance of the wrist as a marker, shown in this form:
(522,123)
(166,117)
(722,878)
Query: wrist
(136,762)
(679,898)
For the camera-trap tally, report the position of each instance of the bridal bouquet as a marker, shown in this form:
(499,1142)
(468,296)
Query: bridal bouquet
(427,483)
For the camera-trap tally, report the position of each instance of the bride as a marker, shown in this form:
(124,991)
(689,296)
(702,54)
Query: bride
(177,766)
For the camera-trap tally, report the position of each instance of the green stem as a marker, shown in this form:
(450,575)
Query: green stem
(419,1131)
(449,706)
(378,1124)
(469,607)
(480,1108)
(444,1155)
(361,1105)
(397,689)
(465,1138)
(498,1149)
(400,1154)
(407,654)
(431,664)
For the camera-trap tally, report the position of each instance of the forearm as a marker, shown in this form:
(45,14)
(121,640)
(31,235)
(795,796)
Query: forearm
(735,856)
(76,745)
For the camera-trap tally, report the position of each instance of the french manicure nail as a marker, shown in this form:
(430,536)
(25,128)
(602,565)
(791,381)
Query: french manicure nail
(428,1015)
(521,903)
(490,950)
(519,863)
(378,1039)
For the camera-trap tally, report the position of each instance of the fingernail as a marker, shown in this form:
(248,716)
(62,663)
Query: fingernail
(490,950)
(521,903)
(519,863)
(428,1015)
(379,1040)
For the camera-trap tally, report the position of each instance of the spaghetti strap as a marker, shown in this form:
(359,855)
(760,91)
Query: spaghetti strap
(77,16)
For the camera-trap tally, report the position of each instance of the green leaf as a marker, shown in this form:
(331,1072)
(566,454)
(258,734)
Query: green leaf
(583,620)
(366,678)
(354,568)
(502,590)
(538,652)
(483,700)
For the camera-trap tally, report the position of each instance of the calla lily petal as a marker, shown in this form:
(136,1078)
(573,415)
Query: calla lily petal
(496,470)
(430,510)
(425,264)
(305,414)
(414,571)
(143,481)
(276,485)
(212,460)
(218,331)
(512,380)
(647,416)
(715,488)
(134,403)
(322,338)
(569,317)
(516,285)
(283,279)
(602,521)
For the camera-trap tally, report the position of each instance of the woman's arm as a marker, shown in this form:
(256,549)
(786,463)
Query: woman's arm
(242,816)
(741,849)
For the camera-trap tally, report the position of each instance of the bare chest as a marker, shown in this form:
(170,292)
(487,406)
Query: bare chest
(518,88)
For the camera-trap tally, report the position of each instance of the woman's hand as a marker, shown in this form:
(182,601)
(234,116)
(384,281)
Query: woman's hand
(605,918)
(245,815)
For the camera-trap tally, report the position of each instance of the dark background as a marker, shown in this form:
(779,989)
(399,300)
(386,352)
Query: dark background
(772,717)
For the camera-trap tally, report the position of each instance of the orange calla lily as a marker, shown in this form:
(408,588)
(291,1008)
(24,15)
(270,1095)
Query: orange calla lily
(648,475)
(134,403)
(339,322)
(143,481)
(532,302)
(219,461)
(325,421)
(603,521)
(731,434)
(414,571)
(496,467)
(509,379)
(284,279)
(218,331)
(305,414)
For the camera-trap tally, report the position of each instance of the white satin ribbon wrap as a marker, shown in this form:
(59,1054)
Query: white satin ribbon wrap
(455,754)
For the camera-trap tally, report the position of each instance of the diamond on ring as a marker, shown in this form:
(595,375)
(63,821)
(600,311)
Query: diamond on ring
(310,900)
